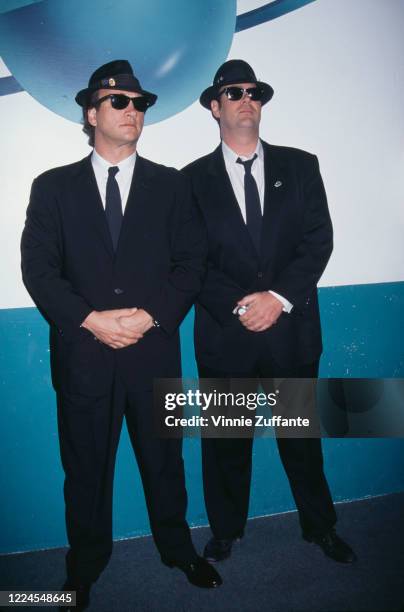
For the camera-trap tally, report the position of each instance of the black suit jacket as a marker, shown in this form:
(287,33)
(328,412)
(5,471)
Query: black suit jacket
(69,268)
(296,245)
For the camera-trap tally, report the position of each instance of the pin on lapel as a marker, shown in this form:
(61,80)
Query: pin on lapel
(278,184)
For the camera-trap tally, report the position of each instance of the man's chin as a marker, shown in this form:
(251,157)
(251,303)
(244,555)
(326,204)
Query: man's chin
(130,137)
(248,122)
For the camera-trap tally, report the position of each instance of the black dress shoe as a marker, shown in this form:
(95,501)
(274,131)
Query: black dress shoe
(82,596)
(333,547)
(219,550)
(199,573)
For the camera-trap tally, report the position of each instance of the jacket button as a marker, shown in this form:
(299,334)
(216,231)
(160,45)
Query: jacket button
(260,274)
(118,291)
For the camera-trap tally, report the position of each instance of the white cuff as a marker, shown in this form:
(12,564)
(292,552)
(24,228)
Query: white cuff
(287,306)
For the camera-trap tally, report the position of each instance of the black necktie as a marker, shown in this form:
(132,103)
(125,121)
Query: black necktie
(113,205)
(252,202)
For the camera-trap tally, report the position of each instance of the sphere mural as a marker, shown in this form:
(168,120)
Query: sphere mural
(175,47)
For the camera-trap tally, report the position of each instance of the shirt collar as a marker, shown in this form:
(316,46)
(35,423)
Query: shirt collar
(231,157)
(102,164)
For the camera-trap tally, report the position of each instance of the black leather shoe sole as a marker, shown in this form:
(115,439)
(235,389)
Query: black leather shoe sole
(333,547)
(199,573)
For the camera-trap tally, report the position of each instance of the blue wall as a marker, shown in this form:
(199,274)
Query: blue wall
(362,326)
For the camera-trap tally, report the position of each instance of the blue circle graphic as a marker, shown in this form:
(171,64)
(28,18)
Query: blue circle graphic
(51,47)
(175,46)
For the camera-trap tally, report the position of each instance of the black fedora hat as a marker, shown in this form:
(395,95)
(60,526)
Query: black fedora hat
(114,75)
(229,73)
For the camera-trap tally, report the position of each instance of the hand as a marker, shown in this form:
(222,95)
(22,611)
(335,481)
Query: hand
(139,321)
(105,325)
(263,312)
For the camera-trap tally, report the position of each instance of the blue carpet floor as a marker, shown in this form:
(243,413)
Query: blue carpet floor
(272,569)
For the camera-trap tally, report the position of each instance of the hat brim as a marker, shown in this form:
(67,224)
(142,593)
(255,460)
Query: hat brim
(83,98)
(211,93)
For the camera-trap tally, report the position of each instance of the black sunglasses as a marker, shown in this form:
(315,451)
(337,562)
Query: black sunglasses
(121,101)
(236,93)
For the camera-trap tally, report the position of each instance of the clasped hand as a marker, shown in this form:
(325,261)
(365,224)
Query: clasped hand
(118,328)
(264,309)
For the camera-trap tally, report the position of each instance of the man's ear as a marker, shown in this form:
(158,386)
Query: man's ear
(92,116)
(215,108)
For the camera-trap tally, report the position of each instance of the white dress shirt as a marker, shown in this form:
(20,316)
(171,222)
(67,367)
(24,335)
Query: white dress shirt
(123,177)
(236,174)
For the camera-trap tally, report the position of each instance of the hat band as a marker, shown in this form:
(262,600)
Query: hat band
(123,81)
(237,79)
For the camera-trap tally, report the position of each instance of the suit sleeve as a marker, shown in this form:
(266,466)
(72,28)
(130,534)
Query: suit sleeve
(171,302)
(220,295)
(299,278)
(42,261)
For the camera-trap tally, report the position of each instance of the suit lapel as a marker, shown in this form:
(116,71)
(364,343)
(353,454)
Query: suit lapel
(91,208)
(139,211)
(276,184)
(138,207)
(224,198)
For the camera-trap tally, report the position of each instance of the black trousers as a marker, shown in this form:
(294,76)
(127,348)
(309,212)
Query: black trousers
(226,465)
(89,431)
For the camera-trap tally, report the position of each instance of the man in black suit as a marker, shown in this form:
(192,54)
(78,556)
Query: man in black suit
(113,255)
(270,237)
